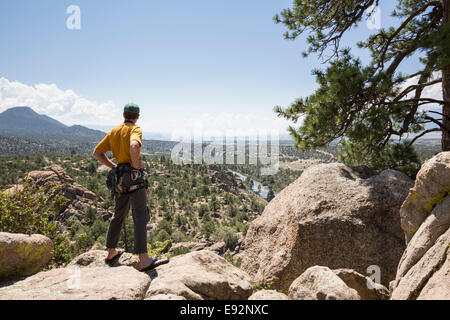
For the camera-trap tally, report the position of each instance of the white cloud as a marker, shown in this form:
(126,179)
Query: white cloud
(432,92)
(63,105)
(69,108)
(220,122)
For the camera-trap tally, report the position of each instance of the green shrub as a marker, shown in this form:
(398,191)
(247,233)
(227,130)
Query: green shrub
(205,191)
(241,216)
(162,236)
(33,211)
(179,251)
(208,228)
(84,241)
(75,226)
(178,236)
(202,210)
(91,214)
(101,242)
(98,228)
(232,210)
(180,220)
(165,225)
(158,248)
(228,236)
(230,260)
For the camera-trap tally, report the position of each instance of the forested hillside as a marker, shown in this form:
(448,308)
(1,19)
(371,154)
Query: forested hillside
(188,202)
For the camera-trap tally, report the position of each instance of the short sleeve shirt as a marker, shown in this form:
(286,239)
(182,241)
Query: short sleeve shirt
(118,141)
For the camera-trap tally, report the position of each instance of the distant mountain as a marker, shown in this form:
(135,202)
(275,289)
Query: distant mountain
(25,122)
(81,131)
(23,130)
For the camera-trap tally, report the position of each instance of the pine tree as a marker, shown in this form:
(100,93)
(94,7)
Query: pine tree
(369,109)
(270,195)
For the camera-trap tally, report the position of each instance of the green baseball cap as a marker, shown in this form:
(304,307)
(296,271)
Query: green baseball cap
(131,108)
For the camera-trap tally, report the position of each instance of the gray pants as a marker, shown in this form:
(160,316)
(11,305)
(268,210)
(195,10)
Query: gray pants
(138,202)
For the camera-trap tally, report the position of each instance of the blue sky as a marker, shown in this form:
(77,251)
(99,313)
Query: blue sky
(224,62)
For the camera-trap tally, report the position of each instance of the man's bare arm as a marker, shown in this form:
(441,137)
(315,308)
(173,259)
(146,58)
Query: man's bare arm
(135,149)
(100,156)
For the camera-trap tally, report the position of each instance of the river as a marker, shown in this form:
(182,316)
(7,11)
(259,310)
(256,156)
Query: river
(256,185)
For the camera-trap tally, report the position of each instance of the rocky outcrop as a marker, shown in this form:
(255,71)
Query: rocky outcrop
(97,283)
(320,283)
(190,245)
(424,269)
(12,189)
(200,275)
(23,255)
(80,198)
(432,185)
(438,286)
(96,259)
(218,247)
(333,216)
(410,285)
(194,276)
(225,179)
(166,297)
(268,295)
(366,288)
(431,229)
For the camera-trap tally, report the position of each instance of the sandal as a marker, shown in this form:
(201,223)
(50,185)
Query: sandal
(116,257)
(156,263)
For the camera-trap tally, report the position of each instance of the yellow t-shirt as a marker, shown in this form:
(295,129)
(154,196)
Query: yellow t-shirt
(118,141)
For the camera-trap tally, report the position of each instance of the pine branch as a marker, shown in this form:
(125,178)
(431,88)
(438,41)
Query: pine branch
(403,25)
(439,113)
(416,86)
(427,100)
(434,121)
(422,134)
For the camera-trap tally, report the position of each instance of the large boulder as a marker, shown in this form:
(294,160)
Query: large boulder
(367,289)
(432,185)
(438,286)
(96,258)
(424,270)
(23,255)
(97,283)
(410,285)
(320,283)
(436,224)
(200,275)
(333,215)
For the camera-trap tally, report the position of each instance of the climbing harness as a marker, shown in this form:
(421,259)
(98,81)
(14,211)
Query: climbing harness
(115,179)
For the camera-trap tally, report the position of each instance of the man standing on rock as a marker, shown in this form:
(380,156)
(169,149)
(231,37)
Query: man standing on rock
(125,142)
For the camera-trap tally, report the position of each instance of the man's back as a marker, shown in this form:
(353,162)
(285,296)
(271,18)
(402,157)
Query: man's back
(118,141)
